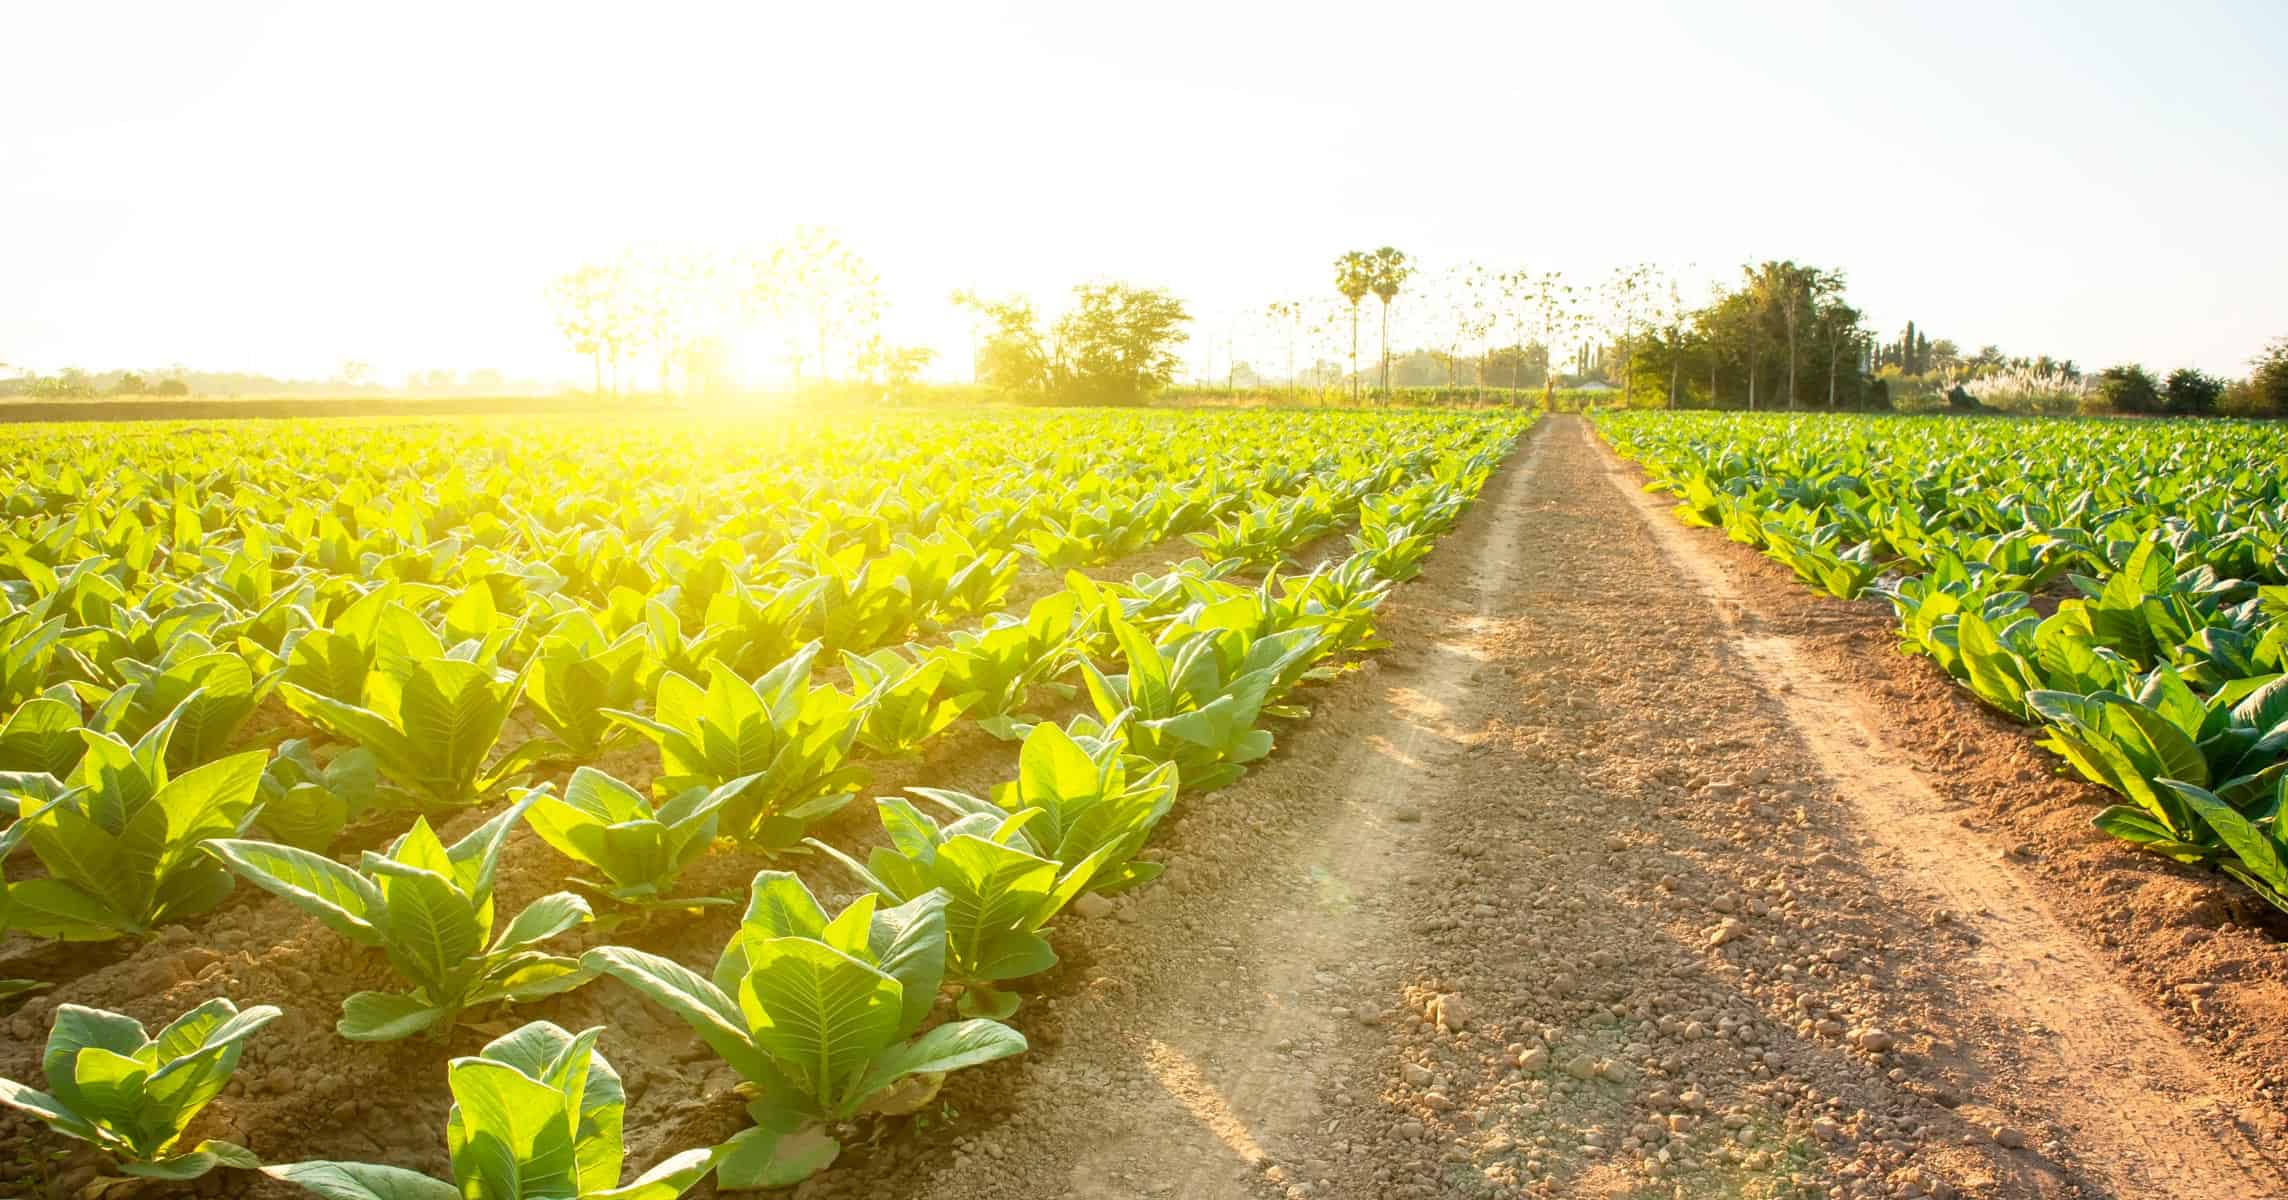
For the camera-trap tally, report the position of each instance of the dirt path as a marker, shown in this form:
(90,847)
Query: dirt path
(2149,1116)
(1586,889)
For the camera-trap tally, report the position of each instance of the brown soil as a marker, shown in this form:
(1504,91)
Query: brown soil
(1615,876)
(1687,937)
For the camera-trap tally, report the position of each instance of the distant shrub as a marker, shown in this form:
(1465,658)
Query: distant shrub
(2128,389)
(2191,393)
(2030,389)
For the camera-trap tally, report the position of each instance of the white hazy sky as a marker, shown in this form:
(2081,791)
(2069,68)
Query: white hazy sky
(284,186)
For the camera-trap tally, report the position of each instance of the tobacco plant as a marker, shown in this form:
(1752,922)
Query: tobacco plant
(537,1115)
(792,734)
(131,1094)
(639,850)
(428,908)
(120,839)
(821,1018)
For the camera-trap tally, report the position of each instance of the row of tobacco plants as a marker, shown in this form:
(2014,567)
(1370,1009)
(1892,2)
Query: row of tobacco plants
(290,656)
(2119,585)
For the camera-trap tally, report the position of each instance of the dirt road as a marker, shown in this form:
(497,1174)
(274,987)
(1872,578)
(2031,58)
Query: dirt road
(1590,886)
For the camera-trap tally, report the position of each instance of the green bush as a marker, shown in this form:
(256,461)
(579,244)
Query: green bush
(2128,389)
(2191,393)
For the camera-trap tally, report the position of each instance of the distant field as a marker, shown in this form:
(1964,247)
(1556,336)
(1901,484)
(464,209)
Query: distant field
(175,408)
(935,396)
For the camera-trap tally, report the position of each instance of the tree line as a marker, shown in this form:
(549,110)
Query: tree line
(670,310)
(1779,334)
(1783,334)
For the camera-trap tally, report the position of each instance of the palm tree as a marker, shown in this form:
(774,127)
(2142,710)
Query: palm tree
(1354,278)
(1390,269)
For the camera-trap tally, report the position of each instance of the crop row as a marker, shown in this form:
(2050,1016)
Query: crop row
(406,687)
(2119,585)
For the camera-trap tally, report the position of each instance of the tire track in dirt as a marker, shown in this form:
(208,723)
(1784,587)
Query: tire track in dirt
(2147,1116)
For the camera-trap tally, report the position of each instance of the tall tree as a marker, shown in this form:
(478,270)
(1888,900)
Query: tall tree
(1462,293)
(1012,356)
(583,302)
(1792,309)
(1354,278)
(1622,299)
(1672,317)
(1519,296)
(675,300)
(2268,379)
(2191,392)
(1807,290)
(821,294)
(1389,273)
(1118,344)
(1742,340)
(1839,328)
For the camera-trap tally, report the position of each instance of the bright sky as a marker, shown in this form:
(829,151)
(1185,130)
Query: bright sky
(282,187)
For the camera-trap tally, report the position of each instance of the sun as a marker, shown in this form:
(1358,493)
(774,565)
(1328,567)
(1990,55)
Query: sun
(755,353)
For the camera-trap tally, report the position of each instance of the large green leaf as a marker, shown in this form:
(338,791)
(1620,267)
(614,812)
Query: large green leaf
(714,1016)
(42,737)
(54,909)
(778,905)
(453,711)
(48,1109)
(949,1047)
(671,1178)
(511,1135)
(211,797)
(2157,743)
(188,1078)
(340,898)
(107,1088)
(818,1013)
(908,943)
(76,1028)
(195,1028)
(1996,673)
(385,1016)
(542,919)
(204,1157)
(2259,855)
(992,893)
(362,1181)
(429,929)
(777,1155)
(401,760)
(587,1089)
